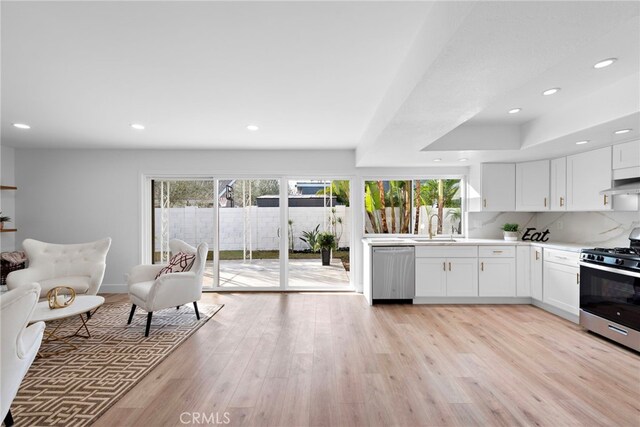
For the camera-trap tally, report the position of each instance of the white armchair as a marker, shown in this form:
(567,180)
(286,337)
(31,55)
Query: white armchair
(80,266)
(19,342)
(168,290)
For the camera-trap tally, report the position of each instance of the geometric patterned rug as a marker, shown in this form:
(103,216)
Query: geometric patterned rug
(76,387)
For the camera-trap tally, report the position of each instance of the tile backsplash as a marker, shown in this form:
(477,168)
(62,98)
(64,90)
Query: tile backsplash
(607,229)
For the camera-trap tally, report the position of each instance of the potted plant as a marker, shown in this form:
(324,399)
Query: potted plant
(3,219)
(326,241)
(510,232)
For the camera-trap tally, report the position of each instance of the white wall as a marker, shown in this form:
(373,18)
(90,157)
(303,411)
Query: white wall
(8,197)
(69,196)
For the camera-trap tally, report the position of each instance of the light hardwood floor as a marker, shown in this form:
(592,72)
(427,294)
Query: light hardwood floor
(270,359)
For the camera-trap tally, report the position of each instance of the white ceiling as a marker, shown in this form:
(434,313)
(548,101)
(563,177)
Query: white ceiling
(402,82)
(310,75)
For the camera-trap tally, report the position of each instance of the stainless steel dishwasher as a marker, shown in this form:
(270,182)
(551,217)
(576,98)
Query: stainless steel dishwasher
(393,273)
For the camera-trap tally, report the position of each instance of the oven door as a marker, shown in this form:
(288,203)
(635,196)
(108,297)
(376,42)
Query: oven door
(611,293)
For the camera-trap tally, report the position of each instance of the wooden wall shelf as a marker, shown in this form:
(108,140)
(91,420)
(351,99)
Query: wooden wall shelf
(8,230)
(8,187)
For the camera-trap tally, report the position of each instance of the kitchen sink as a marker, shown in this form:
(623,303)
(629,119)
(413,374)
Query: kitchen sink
(434,240)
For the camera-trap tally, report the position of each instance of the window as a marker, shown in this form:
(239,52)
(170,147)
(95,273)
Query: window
(408,206)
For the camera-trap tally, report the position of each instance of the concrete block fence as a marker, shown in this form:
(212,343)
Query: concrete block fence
(195,225)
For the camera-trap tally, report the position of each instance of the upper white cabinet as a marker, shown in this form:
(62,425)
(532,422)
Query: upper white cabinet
(492,187)
(588,174)
(558,194)
(626,155)
(532,186)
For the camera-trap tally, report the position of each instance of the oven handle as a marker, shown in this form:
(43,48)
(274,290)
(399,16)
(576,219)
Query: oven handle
(610,269)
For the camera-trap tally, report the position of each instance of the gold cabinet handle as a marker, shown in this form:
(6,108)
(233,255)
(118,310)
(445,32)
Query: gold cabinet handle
(606,201)
(578,278)
(482,266)
(497,252)
(545,202)
(537,255)
(444,266)
(561,201)
(449,266)
(484,202)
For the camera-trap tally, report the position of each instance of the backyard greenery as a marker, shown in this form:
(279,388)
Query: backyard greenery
(389,204)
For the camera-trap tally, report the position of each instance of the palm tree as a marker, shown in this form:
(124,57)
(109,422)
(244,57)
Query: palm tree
(440,193)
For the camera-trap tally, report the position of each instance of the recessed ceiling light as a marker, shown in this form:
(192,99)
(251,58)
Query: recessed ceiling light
(252,128)
(137,126)
(463,159)
(582,142)
(515,110)
(551,91)
(618,132)
(21,126)
(605,62)
(437,160)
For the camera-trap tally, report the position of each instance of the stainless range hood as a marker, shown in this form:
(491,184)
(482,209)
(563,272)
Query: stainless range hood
(628,187)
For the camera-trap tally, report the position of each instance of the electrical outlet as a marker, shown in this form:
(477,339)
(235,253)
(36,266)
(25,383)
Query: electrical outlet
(559,225)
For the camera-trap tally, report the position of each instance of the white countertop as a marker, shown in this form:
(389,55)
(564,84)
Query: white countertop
(421,241)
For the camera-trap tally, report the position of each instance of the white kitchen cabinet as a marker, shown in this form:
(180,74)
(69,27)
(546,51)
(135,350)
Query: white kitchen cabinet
(562,286)
(497,277)
(558,193)
(532,186)
(536,273)
(431,277)
(492,187)
(523,271)
(455,275)
(626,155)
(588,174)
(462,277)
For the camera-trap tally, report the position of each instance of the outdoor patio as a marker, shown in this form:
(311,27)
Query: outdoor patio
(265,273)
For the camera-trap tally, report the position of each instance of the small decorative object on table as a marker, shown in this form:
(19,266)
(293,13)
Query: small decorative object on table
(59,299)
(510,232)
(3,219)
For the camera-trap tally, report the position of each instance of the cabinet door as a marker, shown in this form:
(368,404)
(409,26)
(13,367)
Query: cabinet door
(532,186)
(626,155)
(588,174)
(558,193)
(431,277)
(497,277)
(462,277)
(498,187)
(523,271)
(536,273)
(562,286)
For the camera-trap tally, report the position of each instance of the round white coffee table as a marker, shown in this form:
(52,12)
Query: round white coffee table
(82,304)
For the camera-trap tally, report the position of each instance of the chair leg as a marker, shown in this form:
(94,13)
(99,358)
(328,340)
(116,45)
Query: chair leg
(195,306)
(8,420)
(88,315)
(133,310)
(146,332)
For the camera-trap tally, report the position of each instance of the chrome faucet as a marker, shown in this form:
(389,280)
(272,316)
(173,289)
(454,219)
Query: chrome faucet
(430,225)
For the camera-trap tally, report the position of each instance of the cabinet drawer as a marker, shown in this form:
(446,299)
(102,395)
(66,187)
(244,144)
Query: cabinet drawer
(446,251)
(497,251)
(571,259)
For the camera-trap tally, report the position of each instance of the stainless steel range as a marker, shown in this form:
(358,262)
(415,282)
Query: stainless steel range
(610,291)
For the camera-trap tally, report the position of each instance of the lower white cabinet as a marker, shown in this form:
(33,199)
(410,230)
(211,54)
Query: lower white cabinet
(431,277)
(497,277)
(453,277)
(536,273)
(561,281)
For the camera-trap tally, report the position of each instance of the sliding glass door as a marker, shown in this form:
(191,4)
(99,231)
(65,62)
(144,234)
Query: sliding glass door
(248,223)
(249,233)
(183,209)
